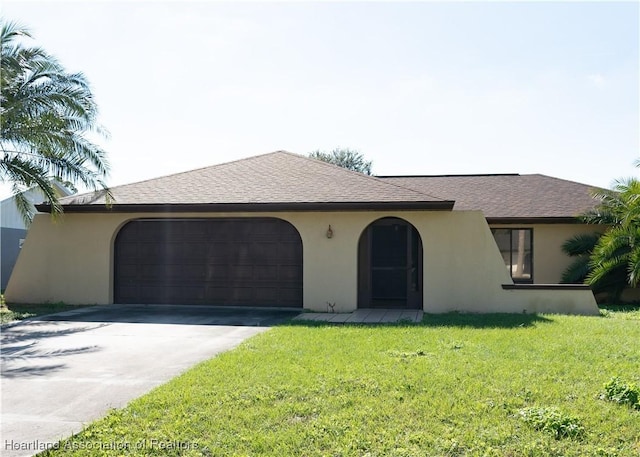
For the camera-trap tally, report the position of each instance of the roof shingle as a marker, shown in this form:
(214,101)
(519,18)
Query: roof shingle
(506,196)
(275,178)
(284,180)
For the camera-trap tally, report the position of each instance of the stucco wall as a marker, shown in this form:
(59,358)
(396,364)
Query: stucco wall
(71,261)
(549,262)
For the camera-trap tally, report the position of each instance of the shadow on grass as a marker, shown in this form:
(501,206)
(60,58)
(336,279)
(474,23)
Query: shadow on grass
(495,320)
(628,307)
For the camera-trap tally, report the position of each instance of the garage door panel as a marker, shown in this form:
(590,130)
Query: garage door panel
(151,252)
(267,294)
(193,294)
(194,272)
(253,262)
(127,253)
(288,251)
(266,272)
(241,253)
(218,253)
(240,294)
(217,272)
(146,272)
(217,294)
(219,232)
(266,253)
(290,272)
(238,230)
(195,253)
(240,272)
(128,293)
(151,293)
(290,295)
(196,232)
(128,271)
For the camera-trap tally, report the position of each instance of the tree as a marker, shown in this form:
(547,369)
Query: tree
(609,261)
(345,158)
(45,116)
(618,249)
(580,248)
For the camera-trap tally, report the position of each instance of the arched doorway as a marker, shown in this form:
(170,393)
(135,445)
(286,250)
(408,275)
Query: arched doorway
(390,265)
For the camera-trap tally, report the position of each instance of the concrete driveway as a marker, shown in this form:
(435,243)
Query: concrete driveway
(62,371)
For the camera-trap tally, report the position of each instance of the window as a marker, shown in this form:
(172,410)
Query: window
(516,248)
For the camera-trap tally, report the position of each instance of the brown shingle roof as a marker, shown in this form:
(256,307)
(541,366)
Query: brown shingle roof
(279,178)
(282,181)
(506,196)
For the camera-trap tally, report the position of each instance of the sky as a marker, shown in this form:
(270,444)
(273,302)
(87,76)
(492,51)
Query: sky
(417,87)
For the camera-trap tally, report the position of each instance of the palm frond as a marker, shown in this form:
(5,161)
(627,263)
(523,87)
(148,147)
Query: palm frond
(616,242)
(581,244)
(24,175)
(601,268)
(634,267)
(10,31)
(577,271)
(45,114)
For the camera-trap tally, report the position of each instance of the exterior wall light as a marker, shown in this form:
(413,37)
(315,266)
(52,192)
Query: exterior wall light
(329,232)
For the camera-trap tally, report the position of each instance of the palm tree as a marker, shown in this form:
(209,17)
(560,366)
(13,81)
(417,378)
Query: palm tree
(609,261)
(45,115)
(618,249)
(580,248)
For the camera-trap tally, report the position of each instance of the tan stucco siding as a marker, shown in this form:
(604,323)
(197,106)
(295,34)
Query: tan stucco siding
(330,274)
(65,260)
(463,267)
(72,261)
(549,301)
(549,262)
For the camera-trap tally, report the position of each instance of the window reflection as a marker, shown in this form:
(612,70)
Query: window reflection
(516,249)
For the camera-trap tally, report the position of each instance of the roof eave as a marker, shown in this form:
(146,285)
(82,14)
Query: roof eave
(535,220)
(444,205)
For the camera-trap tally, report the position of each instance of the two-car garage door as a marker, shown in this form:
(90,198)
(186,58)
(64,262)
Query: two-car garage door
(243,262)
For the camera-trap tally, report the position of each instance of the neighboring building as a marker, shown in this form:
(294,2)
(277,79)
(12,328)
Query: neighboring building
(13,229)
(284,230)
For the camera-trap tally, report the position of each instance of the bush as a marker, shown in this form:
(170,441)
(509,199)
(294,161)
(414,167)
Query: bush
(553,421)
(618,391)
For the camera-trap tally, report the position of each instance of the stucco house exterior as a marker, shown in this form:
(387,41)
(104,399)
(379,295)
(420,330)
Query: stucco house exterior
(13,229)
(284,230)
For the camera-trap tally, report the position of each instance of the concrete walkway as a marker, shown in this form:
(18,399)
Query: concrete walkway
(61,372)
(365,316)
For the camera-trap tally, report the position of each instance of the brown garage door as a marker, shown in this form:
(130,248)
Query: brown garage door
(244,262)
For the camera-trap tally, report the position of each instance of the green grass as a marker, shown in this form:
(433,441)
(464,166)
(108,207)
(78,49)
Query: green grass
(10,313)
(455,385)
(621,311)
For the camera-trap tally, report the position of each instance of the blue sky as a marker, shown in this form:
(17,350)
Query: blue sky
(418,87)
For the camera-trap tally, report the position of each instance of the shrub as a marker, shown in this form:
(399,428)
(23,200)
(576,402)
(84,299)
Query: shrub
(621,392)
(553,421)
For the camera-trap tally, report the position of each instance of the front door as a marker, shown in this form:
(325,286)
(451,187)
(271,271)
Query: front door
(390,273)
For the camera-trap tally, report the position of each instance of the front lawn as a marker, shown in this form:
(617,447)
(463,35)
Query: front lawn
(455,385)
